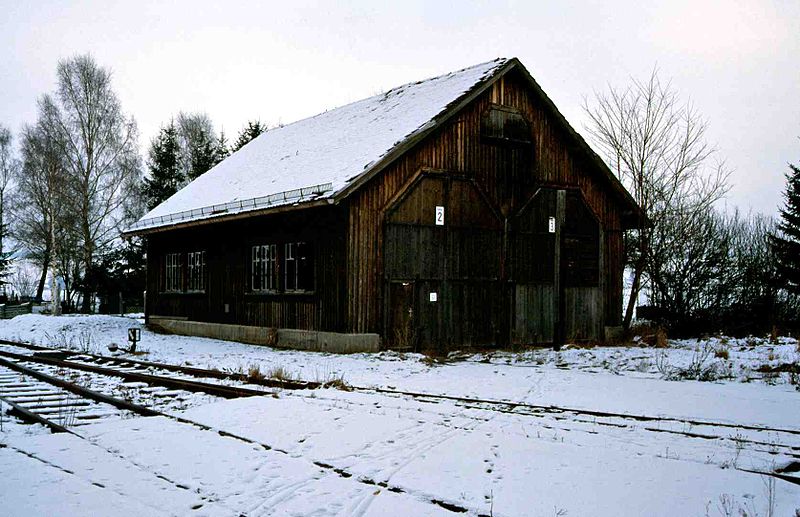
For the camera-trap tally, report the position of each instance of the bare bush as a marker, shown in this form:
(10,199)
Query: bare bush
(254,372)
(722,353)
(82,341)
(280,373)
(699,368)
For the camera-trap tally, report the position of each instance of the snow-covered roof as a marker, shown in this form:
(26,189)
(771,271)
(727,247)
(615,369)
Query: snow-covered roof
(317,157)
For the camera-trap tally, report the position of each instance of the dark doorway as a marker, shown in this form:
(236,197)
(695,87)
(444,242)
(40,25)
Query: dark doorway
(444,239)
(401,327)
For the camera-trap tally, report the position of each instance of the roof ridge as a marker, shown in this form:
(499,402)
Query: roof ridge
(305,152)
(499,60)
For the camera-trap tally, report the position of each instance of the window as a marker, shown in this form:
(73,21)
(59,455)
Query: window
(264,270)
(298,260)
(196,267)
(173,274)
(505,125)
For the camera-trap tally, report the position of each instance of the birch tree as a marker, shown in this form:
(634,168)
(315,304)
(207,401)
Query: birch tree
(656,145)
(38,201)
(8,168)
(200,147)
(99,147)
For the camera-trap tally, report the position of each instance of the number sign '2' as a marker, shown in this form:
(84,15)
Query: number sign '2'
(439,216)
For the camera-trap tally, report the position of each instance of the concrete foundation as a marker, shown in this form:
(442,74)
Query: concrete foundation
(311,340)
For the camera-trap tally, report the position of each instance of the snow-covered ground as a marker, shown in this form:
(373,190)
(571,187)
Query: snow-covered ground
(333,452)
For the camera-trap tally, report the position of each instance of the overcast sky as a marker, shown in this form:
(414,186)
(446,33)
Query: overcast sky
(738,61)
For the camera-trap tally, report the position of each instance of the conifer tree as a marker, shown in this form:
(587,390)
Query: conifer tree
(164,164)
(203,156)
(222,147)
(249,132)
(786,241)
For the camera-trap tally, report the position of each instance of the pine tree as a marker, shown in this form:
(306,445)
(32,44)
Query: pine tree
(222,150)
(164,164)
(786,242)
(203,156)
(249,132)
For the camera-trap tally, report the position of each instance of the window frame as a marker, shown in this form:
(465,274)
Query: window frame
(196,271)
(301,253)
(173,273)
(266,262)
(505,125)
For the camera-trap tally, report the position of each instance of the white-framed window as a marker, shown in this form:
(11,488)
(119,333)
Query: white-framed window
(298,260)
(196,269)
(264,268)
(173,273)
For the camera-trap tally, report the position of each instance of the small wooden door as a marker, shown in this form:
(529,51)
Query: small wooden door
(402,331)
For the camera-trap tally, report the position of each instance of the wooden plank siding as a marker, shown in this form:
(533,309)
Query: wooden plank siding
(228,248)
(501,166)
(508,176)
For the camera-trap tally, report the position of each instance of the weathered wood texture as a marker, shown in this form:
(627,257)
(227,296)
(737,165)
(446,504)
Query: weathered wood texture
(508,175)
(493,273)
(227,278)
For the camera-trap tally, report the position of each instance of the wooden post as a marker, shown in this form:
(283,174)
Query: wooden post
(560,309)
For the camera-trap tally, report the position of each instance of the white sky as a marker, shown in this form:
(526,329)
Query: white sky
(738,61)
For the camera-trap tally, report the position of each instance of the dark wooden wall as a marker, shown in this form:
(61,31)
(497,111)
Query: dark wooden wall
(378,254)
(228,255)
(508,175)
(459,261)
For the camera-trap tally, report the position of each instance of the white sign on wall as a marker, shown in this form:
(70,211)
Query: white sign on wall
(434,297)
(439,216)
(551,225)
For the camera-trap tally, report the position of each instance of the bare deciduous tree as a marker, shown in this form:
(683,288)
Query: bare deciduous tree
(99,147)
(197,138)
(692,269)
(23,281)
(656,145)
(39,201)
(8,168)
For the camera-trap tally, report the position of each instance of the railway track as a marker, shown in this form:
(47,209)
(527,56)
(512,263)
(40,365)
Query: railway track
(762,439)
(44,386)
(37,397)
(129,368)
(63,406)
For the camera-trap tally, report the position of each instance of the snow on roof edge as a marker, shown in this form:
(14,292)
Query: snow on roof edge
(295,196)
(402,94)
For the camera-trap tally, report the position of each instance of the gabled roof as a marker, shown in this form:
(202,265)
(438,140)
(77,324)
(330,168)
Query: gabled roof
(325,157)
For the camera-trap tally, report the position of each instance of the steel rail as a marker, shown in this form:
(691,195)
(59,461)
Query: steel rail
(167,382)
(188,370)
(158,380)
(79,390)
(200,372)
(29,416)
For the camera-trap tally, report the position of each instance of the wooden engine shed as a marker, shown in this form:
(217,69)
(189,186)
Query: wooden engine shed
(461,210)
